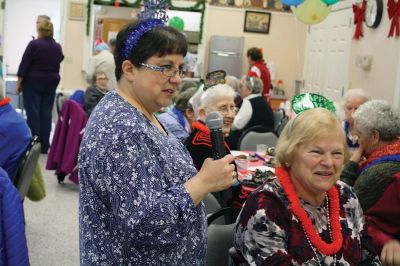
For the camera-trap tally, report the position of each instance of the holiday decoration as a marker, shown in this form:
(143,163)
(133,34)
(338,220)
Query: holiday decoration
(394,14)
(330,2)
(311,11)
(305,221)
(292,2)
(177,23)
(199,6)
(359,17)
(306,101)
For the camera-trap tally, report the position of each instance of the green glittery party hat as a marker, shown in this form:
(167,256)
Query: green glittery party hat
(306,101)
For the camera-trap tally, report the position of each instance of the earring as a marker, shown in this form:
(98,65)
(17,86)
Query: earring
(287,165)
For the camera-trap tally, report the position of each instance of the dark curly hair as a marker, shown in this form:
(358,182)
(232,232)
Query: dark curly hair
(255,54)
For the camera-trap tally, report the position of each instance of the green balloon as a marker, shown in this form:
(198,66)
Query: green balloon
(177,23)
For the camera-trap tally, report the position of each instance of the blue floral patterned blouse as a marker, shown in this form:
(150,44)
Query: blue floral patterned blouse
(134,208)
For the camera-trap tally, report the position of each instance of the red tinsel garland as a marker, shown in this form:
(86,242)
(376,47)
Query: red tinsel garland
(394,14)
(359,17)
(300,213)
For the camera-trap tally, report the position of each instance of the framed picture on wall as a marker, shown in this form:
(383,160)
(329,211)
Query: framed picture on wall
(76,11)
(255,21)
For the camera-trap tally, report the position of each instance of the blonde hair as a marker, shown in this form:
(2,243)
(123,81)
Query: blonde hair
(45,29)
(305,127)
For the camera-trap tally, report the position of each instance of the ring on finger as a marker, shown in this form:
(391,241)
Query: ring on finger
(234,175)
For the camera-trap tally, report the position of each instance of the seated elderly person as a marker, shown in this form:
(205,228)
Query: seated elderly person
(352,100)
(234,82)
(371,171)
(178,120)
(96,91)
(303,215)
(255,110)
(14,136)
(218,98)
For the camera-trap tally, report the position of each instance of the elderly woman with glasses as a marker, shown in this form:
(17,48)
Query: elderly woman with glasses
(374,173)
(140,194)
(303,215)
(218,98)
(96,91)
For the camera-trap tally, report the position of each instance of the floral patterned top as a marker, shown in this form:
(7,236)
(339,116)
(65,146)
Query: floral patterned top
(133,206)
(268,233)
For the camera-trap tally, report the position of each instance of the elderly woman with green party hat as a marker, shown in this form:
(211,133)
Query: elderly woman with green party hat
(304,215)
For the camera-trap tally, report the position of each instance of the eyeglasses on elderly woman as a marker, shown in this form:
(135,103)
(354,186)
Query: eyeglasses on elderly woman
(225,109)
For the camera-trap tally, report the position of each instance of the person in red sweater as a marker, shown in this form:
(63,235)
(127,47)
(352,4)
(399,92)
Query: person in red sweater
(258,68)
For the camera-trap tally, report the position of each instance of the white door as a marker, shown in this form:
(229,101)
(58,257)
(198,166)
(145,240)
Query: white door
(327,54)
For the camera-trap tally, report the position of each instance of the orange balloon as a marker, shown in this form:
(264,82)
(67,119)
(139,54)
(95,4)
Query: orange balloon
(311,11)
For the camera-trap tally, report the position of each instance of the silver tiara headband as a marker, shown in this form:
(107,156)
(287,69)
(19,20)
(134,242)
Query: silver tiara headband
(153,14)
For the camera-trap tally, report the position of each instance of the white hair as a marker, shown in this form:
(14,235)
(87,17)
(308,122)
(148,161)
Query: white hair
(357,92)
(378,115)
(215,93)
(195,100)
(233,81)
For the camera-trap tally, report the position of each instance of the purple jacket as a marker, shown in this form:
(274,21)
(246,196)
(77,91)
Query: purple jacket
(40,64)
(63,154)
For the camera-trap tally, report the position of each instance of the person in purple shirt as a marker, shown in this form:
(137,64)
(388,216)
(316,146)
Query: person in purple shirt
(38,77)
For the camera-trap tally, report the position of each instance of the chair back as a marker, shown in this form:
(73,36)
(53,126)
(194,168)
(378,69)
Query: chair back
(60,99)
(220,237)
(212,205)
(249,140)
(26,167)
(280,120)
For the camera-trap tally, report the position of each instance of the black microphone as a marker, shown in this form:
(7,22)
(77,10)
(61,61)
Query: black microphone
(214,122)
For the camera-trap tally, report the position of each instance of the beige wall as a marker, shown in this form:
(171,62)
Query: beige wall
(381,81)
(284,44)
(74,43)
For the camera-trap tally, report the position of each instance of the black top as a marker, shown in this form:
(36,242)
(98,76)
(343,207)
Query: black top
(92,97)
(262,114)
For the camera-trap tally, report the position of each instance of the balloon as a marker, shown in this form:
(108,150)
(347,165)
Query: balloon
(177,23)
(292,2)
(330,2)
(311,11)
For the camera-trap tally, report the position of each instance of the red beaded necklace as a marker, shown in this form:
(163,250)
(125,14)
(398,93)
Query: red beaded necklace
(300,213)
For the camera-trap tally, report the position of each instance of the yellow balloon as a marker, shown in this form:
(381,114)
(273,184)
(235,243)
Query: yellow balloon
(311,11)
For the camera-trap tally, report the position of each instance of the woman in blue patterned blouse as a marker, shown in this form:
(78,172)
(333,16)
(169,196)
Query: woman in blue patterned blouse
(140,195)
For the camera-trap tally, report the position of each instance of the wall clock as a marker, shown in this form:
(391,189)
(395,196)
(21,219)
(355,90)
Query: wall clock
(373,13)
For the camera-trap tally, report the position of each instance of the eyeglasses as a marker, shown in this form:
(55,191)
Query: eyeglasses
(104,78)
(226,109)
(167,70)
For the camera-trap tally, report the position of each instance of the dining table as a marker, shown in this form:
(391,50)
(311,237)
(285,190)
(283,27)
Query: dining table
(256,162)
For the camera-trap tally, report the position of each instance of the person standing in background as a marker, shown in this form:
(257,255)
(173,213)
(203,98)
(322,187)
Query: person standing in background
(259,69)
(38,78)
(102,61)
